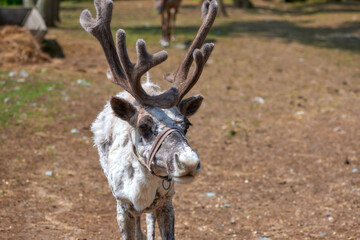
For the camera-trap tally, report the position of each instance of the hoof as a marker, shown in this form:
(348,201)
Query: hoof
(164,43)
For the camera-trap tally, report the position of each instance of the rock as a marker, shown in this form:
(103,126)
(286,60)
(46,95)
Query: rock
(227,205)
(299,113)
(180,46)
(210,194)
(259,100)
(83,82)
(74,131)
(48,173)
(23,73)
(12,73)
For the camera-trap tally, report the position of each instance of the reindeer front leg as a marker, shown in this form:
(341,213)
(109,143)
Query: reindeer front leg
(166,220)
(150,226)
(126,222)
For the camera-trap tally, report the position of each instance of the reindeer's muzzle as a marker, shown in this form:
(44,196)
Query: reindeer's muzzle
(181,162)
(186,165)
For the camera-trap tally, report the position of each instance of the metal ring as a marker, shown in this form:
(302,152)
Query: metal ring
(164,186)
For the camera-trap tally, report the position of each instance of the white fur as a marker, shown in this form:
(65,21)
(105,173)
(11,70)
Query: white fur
(129,181)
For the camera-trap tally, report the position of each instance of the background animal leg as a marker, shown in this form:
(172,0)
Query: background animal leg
(150,226)
(173,13)
(165,28)
(126,223)
(166,220)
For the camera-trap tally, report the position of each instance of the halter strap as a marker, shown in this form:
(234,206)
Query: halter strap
(156,145)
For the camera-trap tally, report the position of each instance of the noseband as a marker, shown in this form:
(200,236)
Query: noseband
(154,148)
(156,145)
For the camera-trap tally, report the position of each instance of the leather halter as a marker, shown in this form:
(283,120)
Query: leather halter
(157,143)
(154,148)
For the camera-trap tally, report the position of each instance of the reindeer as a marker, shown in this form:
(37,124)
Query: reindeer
(141,133)
(168,10)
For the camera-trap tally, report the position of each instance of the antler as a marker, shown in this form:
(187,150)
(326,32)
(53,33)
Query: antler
(128,74)
(179,78)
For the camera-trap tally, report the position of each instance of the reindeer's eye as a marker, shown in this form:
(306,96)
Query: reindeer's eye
(187,125)
(144,127)
(145,130)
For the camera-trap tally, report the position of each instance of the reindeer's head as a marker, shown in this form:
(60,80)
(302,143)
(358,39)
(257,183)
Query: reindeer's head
(160,120)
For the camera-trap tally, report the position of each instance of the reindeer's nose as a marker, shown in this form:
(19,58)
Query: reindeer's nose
(187,162)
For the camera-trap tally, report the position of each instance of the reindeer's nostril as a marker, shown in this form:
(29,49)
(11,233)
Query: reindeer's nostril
(177,161)
(198,167)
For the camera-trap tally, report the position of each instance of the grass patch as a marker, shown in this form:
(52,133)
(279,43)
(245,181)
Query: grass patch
(15,95)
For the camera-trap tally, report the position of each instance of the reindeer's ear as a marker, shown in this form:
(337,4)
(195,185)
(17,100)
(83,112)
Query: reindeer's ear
(189,106)
(123,109)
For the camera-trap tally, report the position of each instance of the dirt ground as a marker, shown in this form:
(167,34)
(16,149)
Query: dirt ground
(278,133)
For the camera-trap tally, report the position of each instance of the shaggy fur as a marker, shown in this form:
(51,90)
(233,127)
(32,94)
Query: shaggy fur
(123,154)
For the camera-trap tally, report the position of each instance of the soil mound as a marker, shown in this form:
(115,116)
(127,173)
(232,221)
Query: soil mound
(18,46)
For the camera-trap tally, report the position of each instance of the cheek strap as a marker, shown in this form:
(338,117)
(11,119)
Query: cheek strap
(156,145)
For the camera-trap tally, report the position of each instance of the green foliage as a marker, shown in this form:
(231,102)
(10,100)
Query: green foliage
(10,2)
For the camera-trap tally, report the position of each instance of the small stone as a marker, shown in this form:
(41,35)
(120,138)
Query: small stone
(301,60)
(180,46)
(74,131)
(331,219)
(323,234)
(259,100)
(210,194)
(264,238)
(232,220)
(48,173)
(83,82)
(6,99)
(246,181)
(354,170)
(12,73)
(299,113)
(227,205)
(23,73)
(337,129)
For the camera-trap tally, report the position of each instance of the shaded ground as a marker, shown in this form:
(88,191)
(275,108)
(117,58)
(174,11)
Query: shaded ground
(284,165)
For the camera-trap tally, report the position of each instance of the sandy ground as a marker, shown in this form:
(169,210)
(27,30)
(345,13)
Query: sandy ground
(278,132)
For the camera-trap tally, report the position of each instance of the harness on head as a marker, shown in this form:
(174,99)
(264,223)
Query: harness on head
(154,148)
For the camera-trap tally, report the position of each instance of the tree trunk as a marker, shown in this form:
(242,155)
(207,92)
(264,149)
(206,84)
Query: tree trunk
(57,10)
(28,3)
(49,10)
(243,4)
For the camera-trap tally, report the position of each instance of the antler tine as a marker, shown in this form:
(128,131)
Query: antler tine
(179,78)
(100,28)
(128,74)
(200,58)
(122,71)
(134,72)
